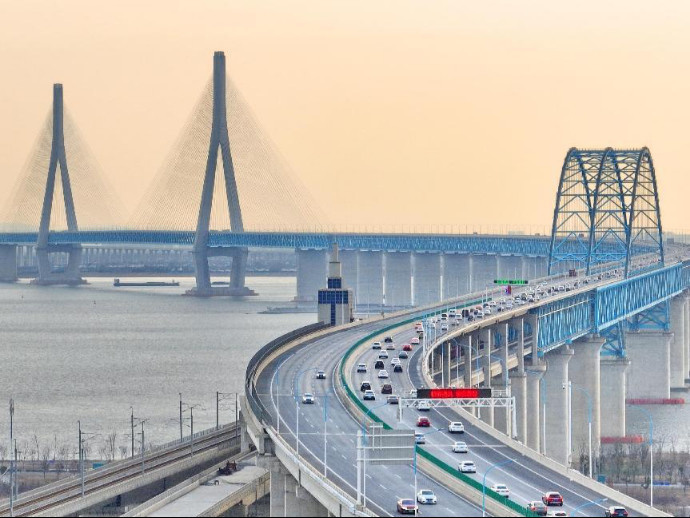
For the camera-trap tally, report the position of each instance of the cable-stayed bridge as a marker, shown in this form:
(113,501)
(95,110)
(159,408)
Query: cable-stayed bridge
(606,229)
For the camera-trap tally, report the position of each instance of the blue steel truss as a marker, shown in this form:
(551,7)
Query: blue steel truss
(477,244)
(606,212)
(640,302)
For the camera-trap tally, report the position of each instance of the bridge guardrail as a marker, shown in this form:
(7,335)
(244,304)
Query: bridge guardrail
(256,360)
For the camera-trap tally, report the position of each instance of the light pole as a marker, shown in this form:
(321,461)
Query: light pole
(498,465)
(651,453)
(296,394)
(221,396)
(364,444)
(325,435)
(589,418)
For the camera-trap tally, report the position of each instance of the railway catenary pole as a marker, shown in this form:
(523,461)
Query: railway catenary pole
(12,464)
(181,436)
(132,428)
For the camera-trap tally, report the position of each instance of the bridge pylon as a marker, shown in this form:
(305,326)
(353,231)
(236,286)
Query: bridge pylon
(70,275)
(202,247)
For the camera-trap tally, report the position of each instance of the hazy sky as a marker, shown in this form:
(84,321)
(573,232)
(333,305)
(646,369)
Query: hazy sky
(391,112)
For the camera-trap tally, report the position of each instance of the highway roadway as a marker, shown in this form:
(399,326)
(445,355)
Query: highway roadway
(526,479)
(281,385)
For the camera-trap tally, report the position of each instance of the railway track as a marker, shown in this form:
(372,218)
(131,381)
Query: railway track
(48,497)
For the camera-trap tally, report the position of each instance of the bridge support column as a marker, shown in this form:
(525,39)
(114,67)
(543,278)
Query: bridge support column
(349,259)
(427,278)
(370,278)
(556,399)
(446,364)
(649,375)
(613,395)
(584,372)
(509,266)
(312,269)
(487,414)
(518,389)
(484,271)
(457,275)
(534,431)
(468,349)
(8,263)
(686,333)
(398,279)
(678,370)
(288,498)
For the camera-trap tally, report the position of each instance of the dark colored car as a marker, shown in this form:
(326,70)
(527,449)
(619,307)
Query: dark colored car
(552,498)
(538,508)
(387,388)
(379,365)
(403,355)
(407,347)
(617,510)
(388,340)
(423,421)
(365,386)
(397,368)
(393,400)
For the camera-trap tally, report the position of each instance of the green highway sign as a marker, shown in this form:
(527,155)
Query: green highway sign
(511,281)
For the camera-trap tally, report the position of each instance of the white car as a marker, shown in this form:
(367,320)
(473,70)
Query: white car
(395,361)
(444,327)
(467,466)
(383,355)
(501,489)
(307,399)
(456,427)
(426,496)
(376,345)
(423,404)
(362,367)
(414,341)
(383,374)
(390,347)
(460,447)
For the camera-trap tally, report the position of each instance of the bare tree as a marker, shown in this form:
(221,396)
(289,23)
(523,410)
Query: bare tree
(124,450)
(45,460)
(111,442)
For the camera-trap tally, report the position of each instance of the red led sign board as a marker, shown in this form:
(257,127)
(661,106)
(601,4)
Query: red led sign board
(454,393)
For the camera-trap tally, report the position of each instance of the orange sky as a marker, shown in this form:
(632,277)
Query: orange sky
(391,112)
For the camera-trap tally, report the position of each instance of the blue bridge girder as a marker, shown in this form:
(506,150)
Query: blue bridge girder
(471,243)
(635,302)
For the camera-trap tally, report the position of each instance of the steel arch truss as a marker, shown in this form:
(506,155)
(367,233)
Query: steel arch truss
(607,211)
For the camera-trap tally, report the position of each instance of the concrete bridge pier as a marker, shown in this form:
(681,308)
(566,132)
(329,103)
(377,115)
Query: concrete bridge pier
(649,375)
(457,275)
(509,266)
(584,372)
(534,375)
(349,260)
(487,414)
(287,497)
(484,271)
(398,278)
(312,271)
(686,333)
(8,263)
(70,275)
(678,349)
(427,278)
(613,390)
(370,278)
(556,402)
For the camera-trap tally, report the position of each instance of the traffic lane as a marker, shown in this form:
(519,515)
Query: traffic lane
(311,437)
(523,468)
